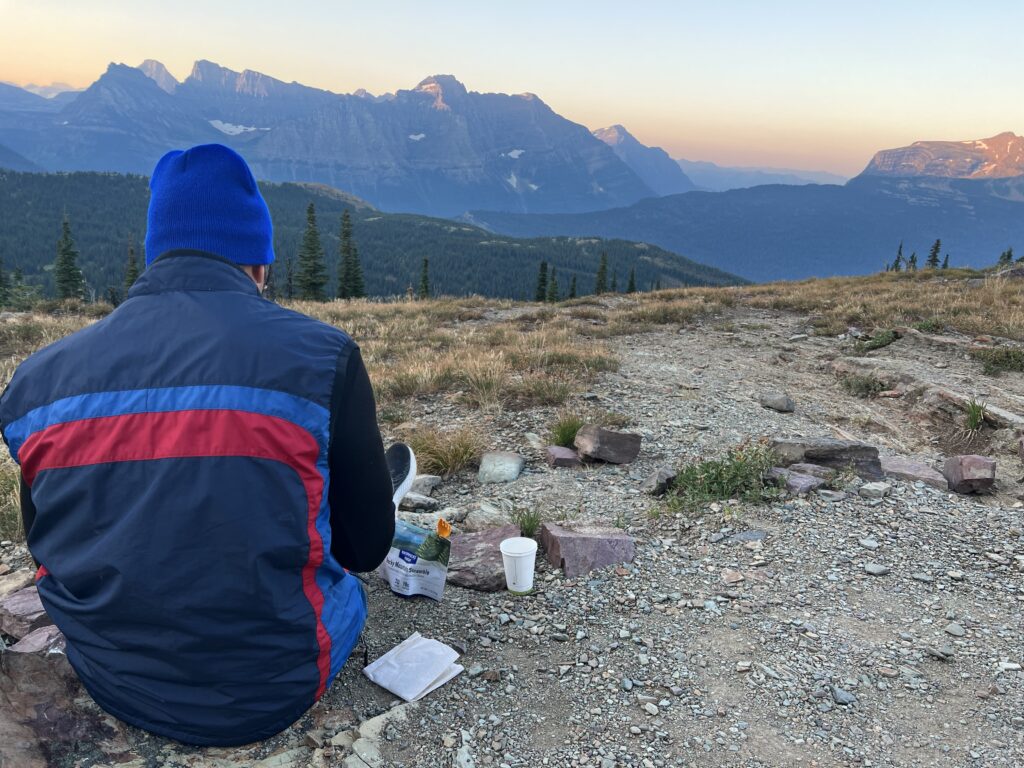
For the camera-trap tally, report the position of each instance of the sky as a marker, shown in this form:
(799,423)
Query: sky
(816,85)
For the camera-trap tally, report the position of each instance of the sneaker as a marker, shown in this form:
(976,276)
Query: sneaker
(402,466)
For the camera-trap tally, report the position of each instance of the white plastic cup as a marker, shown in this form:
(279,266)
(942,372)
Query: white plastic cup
(519,555)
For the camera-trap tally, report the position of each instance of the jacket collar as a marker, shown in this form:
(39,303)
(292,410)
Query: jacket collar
(186,270)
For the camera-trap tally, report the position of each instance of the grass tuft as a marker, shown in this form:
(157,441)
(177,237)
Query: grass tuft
(445,453)
(974,418)
(528,519)
(878,341)
(740,474)
(1000,360)
(564,429)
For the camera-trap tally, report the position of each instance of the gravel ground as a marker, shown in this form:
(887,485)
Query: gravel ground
(743,635)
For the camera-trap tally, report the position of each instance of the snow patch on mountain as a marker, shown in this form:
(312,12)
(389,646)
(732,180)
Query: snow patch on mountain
(234,130)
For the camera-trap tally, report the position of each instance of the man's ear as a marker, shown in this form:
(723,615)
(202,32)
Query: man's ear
(259,274)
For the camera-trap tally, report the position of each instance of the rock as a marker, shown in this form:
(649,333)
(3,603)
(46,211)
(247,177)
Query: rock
(874,490)
(731,576)
(559,456)
(44,712)
(954,629)
(844,698)
(867,543)
(500,467)
(594,442)
(425,484)
(485,516)
(795,482)
(22,612)
(580,549)
(48,638)
(912,471)
(475,561)
(830,452)
(417,501)
(875,569)
(534,441)
(831,496)
(13,582)
(751,535)
(814,470)
(658,481)
(777,401)
(970,474)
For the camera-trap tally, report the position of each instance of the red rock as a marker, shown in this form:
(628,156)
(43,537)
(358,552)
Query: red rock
(970,474)
(47,638)
(908,469)
(830,452)
(22,612)
(580,549)
(558,456)
(475,561)
(594,442)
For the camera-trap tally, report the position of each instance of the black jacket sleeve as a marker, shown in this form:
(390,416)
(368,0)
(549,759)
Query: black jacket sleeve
(28,510)
(362,512)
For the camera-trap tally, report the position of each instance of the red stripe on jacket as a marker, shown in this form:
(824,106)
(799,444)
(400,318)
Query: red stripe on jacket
(193,434)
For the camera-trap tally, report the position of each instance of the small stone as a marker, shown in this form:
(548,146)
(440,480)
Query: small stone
(842,697)
(651,709)
(417,501)
(659,481)
(777,401)
(875,569)
(731,576)
(743,666)
(557,456)
(954,629)
(500,467)
(868,543)
(831,496)
(874,490)
(425,484)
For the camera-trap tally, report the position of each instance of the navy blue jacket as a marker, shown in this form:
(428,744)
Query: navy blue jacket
(198,481)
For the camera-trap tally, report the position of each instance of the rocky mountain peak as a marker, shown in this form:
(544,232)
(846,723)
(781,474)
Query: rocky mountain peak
(1000,156)
(445,89)
(614,135)
(158,73)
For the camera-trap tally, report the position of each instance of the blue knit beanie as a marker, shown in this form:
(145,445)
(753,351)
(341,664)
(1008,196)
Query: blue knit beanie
(206,199)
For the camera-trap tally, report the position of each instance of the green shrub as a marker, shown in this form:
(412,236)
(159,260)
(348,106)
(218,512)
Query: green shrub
(879,340)
(974,419)
(740,474)
(998,360)
(528,519)
(932,325)
(564,429)
(862,385)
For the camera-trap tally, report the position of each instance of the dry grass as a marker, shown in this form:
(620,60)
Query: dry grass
(445,453)
(10,503)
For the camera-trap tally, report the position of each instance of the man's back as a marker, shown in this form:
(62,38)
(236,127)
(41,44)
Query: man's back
(177,456)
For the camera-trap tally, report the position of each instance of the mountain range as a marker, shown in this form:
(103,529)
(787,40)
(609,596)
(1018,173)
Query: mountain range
(437,149)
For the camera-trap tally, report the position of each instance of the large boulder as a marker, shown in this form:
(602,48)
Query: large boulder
(475,561)
(912,471)
(594,442)
(862,458)
(580,549)
(970,474)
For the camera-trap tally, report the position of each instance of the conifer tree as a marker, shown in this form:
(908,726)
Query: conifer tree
(932,262)
(912,262)
(66,274)
(424,291)
(311,280)
(601,282)
(351,284)
(289,278)
(615,282)
(1006,258)
(631,285)
(131,268)
(22,296)
(572,287)
(945,262)
(5,285)
(113,295)
(552,292)
(657,284)
(541,294)
(897,266)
